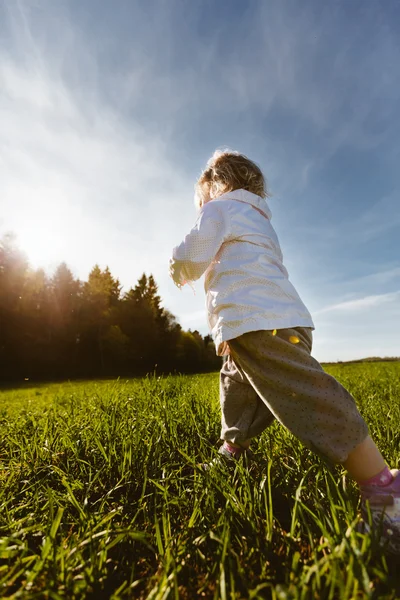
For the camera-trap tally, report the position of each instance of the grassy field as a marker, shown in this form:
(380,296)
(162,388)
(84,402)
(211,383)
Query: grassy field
(100,497)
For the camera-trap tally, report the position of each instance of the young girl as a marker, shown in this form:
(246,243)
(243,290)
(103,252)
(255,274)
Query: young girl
(259,322)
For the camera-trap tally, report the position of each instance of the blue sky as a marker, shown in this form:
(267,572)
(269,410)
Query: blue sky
(109,111)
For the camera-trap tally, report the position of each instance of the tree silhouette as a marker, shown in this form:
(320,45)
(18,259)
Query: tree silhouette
(100,297)
(65,300)
(61,327)
(13,273)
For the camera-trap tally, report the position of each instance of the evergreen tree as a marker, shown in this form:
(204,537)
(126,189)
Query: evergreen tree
(100,296)
(65,298)
(60,327)
(13,270)
(140,314)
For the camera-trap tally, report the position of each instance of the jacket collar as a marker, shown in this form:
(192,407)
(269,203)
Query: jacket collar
(249,198)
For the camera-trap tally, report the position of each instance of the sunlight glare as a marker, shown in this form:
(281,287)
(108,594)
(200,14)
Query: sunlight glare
(46,229)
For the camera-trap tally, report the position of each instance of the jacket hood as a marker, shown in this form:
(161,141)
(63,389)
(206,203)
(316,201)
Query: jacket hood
(249,198)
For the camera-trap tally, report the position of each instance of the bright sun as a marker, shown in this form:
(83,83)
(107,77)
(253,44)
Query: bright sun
(42,243)
(45,231)
(46,226)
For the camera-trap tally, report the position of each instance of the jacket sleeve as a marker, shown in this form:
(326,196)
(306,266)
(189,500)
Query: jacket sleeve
(197,251)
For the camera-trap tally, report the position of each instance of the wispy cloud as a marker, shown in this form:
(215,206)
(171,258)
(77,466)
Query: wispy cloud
(382,277)
(78,181)
(383,216)
(361,303)
(361,328)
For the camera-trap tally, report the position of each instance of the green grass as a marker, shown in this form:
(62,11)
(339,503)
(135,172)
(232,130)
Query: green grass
(100,497)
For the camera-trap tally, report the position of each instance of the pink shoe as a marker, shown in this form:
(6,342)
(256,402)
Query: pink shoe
(227,458)
(384,505)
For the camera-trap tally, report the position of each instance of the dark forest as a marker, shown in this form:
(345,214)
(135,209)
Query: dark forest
(60,327)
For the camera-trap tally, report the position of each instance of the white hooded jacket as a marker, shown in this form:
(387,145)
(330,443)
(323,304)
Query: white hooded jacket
(247,286)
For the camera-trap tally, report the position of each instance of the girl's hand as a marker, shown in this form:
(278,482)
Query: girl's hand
(224,349)
(171,268)
(172,273)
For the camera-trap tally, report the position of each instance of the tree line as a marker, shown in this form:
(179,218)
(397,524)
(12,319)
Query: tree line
(61,327)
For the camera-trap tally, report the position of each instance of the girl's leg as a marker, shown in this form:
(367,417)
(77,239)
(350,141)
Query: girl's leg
(243,414)
(323,415)
(365,461)
(309,402)
(380,493)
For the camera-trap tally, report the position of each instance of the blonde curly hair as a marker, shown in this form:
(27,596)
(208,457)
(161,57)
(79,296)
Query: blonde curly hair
(226,171)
